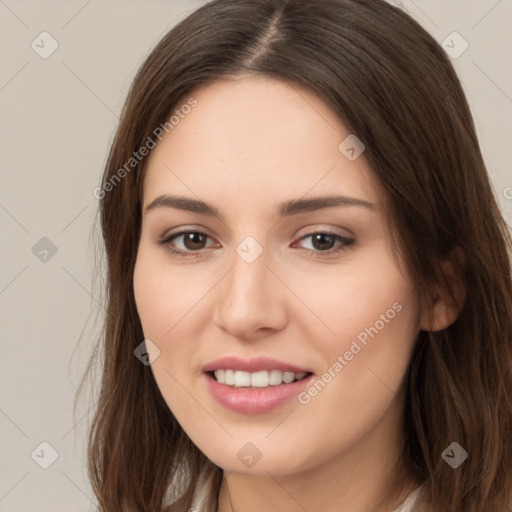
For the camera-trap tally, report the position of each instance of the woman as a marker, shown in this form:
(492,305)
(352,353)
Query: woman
(248,366)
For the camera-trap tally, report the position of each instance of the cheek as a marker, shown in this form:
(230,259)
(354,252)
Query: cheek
(375,321)
(163,294)
(372,315)
(377,326)
(149,298)
(168,300)
(162,302)
(365,297)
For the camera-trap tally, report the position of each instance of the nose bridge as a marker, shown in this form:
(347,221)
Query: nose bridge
(248,279)
(247,298)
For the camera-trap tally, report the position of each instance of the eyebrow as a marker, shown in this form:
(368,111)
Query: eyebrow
(286,209)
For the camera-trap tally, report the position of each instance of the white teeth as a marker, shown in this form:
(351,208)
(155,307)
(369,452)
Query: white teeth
(261,379)
(229,378)
(242,379)
(288,377)
(275,377)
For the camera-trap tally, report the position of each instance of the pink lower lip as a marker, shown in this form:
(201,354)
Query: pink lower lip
(257,400)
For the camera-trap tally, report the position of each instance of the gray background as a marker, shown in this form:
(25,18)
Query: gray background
(58,117)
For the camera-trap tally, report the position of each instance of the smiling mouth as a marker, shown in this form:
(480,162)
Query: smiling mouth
(256,380)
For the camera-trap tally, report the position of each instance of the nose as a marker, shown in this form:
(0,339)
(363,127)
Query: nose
(250,301)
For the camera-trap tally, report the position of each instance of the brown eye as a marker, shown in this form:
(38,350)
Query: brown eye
(186,243)
(194,240)
(323,243)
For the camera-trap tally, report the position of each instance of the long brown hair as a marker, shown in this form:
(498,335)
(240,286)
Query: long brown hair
(393,86)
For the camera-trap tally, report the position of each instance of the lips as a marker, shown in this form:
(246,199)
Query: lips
(253,365)
(252,386)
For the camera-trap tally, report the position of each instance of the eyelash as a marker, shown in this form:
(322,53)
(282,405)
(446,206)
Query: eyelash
(346,244)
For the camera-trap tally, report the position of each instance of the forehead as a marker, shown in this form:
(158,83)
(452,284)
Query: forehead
(259,139)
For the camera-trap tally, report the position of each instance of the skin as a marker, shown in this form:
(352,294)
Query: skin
(250,144)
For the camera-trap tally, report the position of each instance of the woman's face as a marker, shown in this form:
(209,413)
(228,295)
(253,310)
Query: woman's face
(278,285)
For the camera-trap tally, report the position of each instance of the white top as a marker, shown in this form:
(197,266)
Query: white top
(203,502)
(410,501)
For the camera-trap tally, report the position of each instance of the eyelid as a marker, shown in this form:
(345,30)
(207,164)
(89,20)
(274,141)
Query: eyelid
(186,229)
(326,228)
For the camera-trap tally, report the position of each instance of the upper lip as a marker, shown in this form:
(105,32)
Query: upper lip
(252,365)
